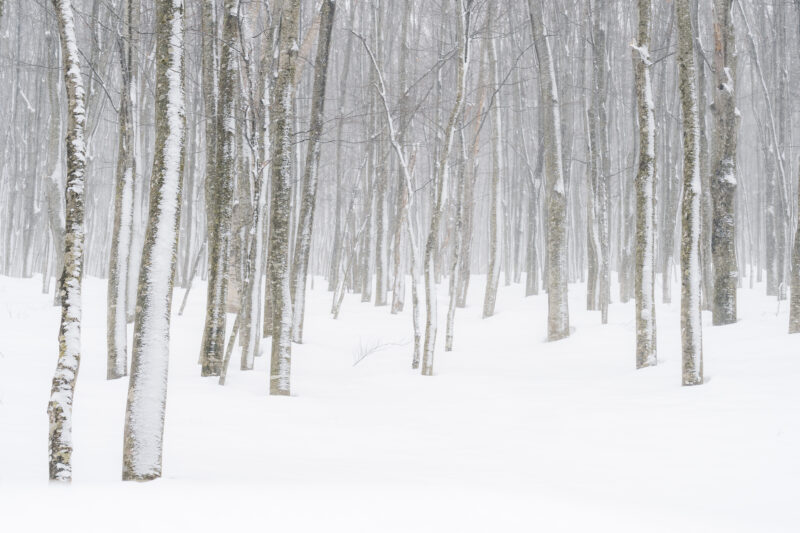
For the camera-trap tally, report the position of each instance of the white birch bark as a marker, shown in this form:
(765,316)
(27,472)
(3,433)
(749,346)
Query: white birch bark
(691,275)
(59,408)
(644,271)
(117,322)
(442,173)
(282,117)
(302,248)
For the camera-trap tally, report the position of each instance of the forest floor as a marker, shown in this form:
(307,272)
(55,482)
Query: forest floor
(511,434)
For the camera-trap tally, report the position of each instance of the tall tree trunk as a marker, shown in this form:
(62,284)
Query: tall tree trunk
(442,171)
(557,276)
(147,390)
(210,83)
(221,195)
(604,157)
(59,408)
(278,261)
(117,323)
(304,232)
(794,303)
(706,207)
(723,240)
(495,203)
(691,335)
(644,275)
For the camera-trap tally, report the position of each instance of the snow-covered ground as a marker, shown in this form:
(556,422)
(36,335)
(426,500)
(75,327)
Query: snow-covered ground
(512,434)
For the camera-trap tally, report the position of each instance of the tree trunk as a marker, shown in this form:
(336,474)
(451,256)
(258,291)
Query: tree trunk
(644,276)
(723,239)
(495,205)
(220,194)
(117,334)
(304,232)
(147,390)
(558,307)
(442,171)
(59,408)
(691,274)
(278,260)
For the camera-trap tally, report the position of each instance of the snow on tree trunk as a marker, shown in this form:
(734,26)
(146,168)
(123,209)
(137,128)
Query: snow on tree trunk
(723,184)
(147,390)
(558,308)
(117,322)
(278,261)
(221,197)
(59,408)
(302,247)
(691,335)
(442,171)
(644,267)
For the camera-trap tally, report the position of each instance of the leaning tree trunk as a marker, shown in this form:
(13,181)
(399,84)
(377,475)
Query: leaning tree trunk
(691,335)
(723,185)
(147,390)
(69,334)
(302,247)
(644,275)
(278,259)
(117,335)
(221,197)
(558,308)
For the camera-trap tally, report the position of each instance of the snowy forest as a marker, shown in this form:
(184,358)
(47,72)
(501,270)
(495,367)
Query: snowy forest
(402,265)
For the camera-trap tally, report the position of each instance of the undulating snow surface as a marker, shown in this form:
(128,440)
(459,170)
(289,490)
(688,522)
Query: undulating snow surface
(511,434)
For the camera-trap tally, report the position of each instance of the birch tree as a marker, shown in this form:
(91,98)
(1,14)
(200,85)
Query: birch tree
(691,339)
(558,307)
(221,196)
(282,118)
(310,177)
(463,8)
(123,204)
(644,276)
(59,409)
(723,182)
(495,205)
(147,389)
